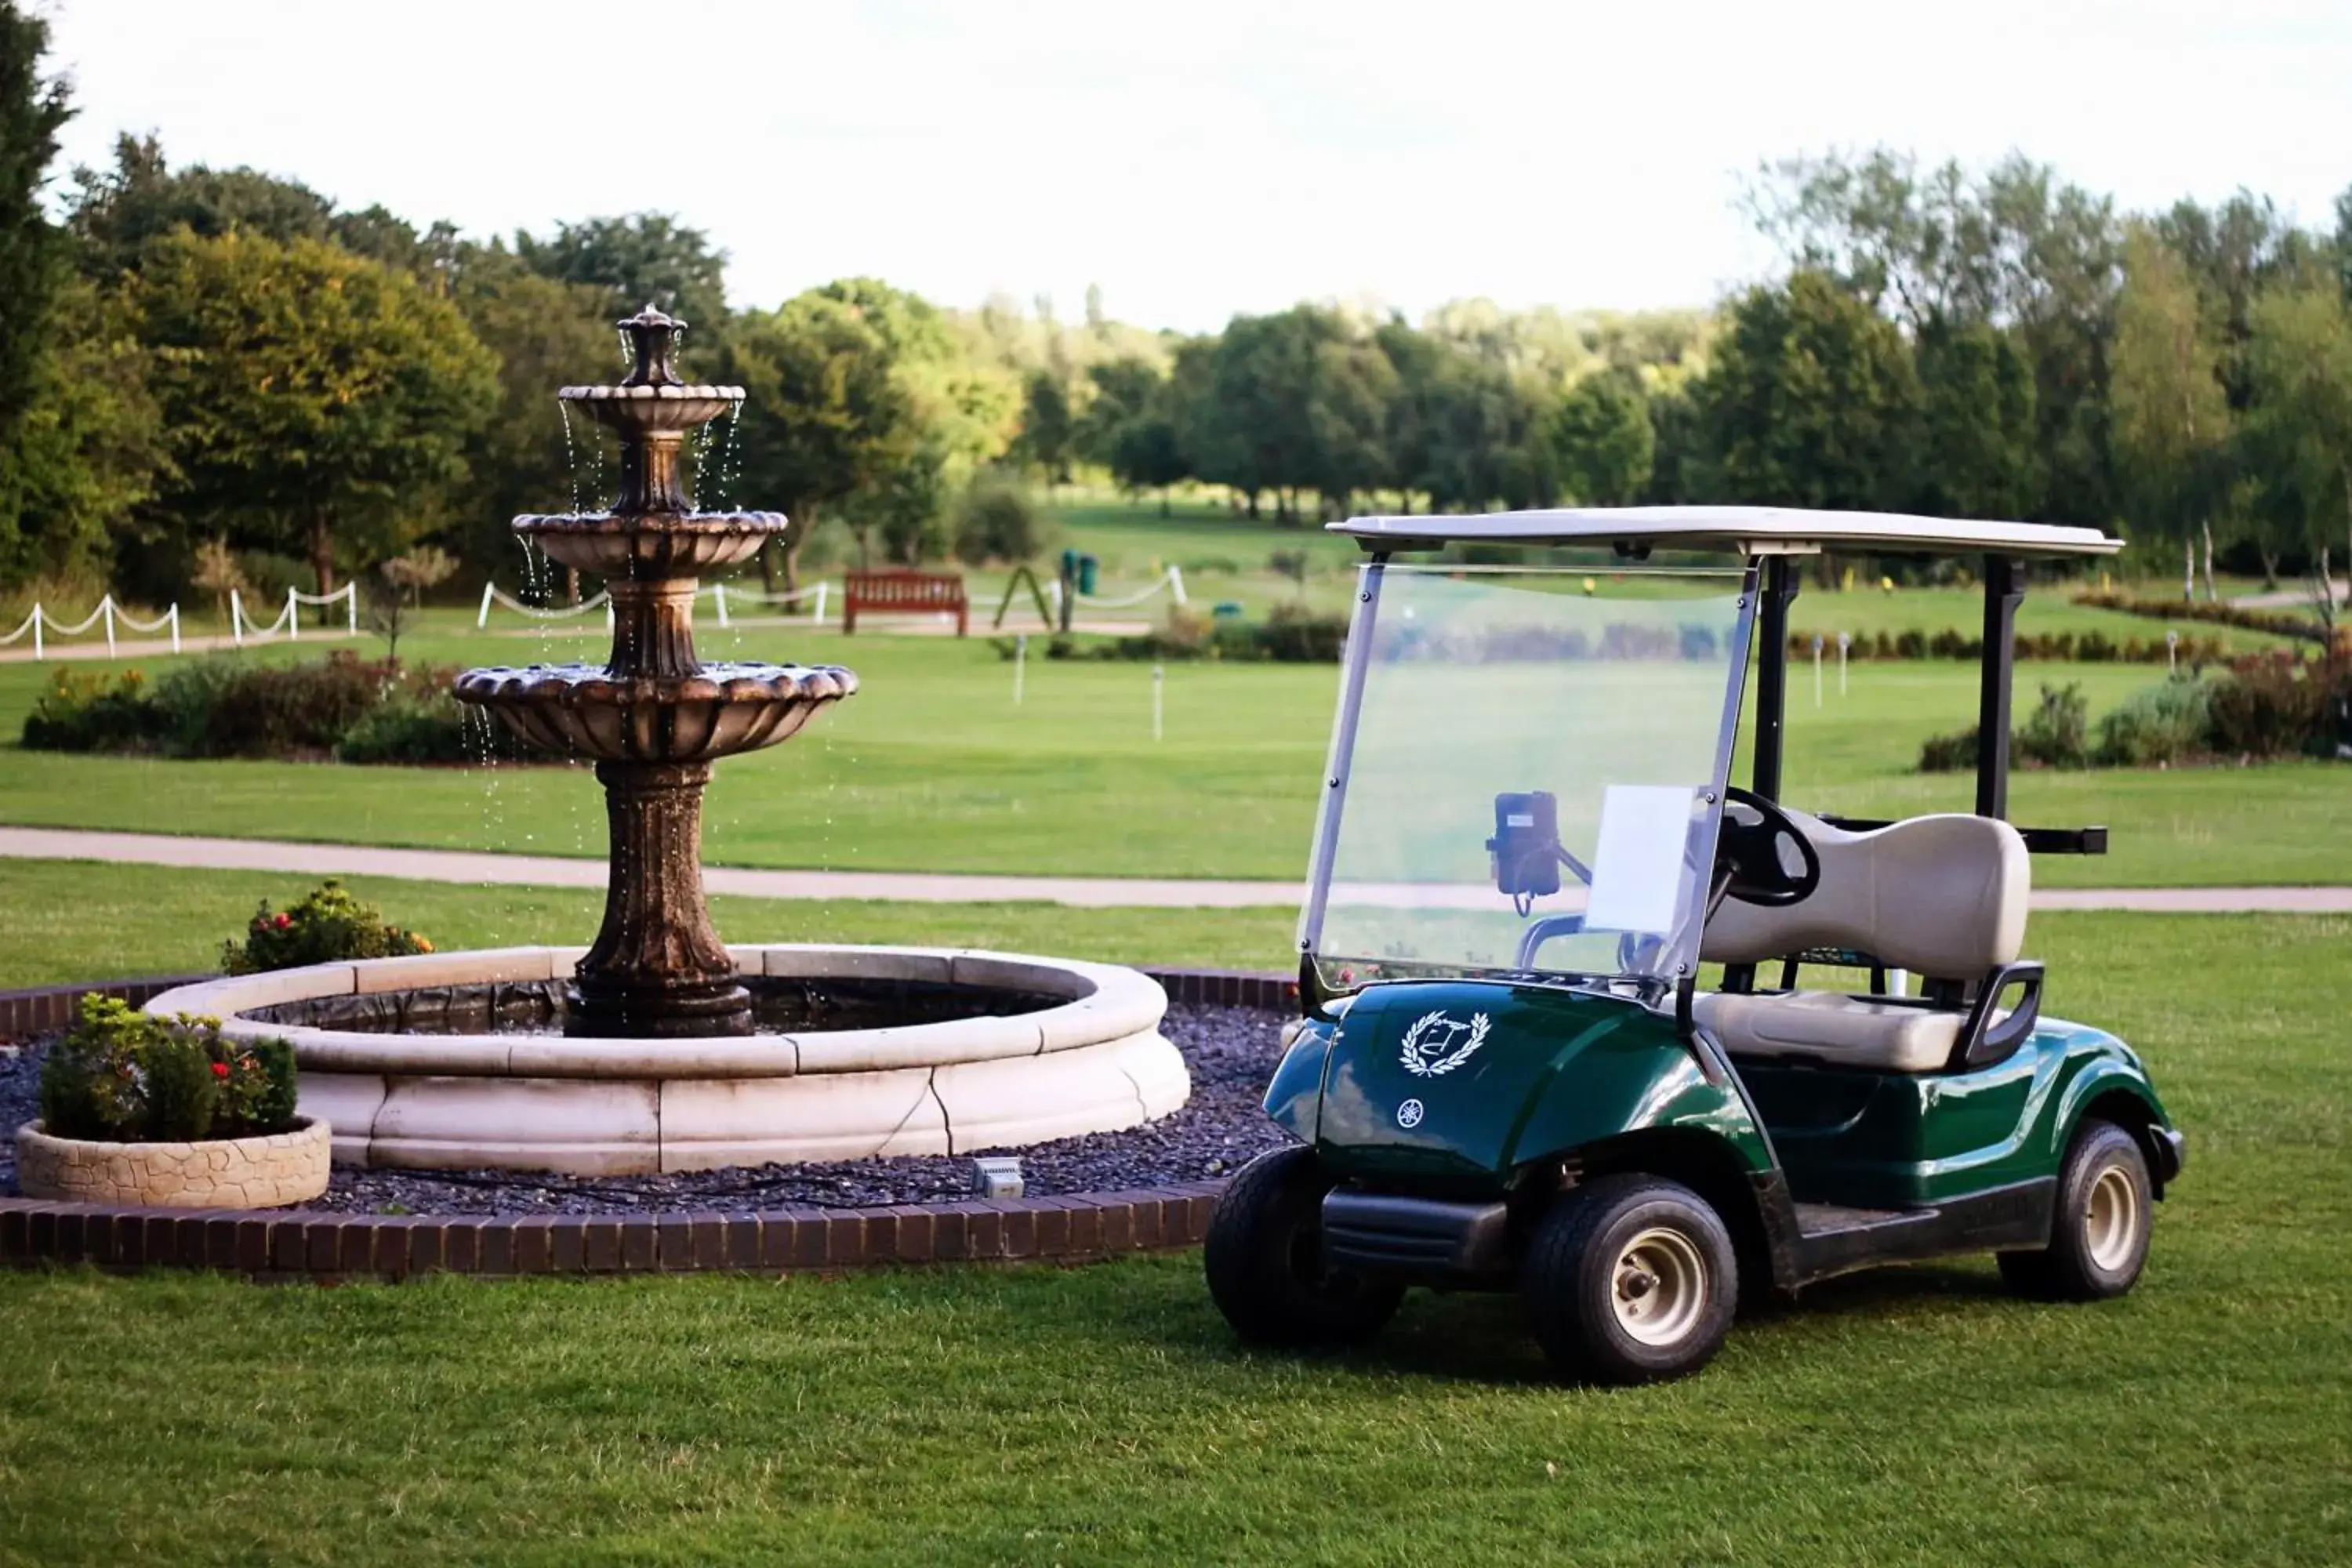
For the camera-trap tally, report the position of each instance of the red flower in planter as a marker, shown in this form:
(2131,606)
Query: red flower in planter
(283,919)
(220,1069)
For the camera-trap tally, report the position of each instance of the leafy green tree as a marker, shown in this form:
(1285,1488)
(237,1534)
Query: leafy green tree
(33,109)
(2171,414)
(116,213)
(1349,391)
(825,415)
(2298,431)
(544,334)
(1812,400)
(1049,427)
(642,259)
(316,403)
(1150,456)
(88,454)
(1601,442)
(1975,386)
(1125,390)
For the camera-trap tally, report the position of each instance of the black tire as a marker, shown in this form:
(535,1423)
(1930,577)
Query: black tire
(1603,1243)
(1264,1260)
(2099,1224)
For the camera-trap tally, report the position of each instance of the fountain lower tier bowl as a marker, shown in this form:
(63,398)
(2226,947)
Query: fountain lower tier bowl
(888,1051)
(636,546)
(584,710)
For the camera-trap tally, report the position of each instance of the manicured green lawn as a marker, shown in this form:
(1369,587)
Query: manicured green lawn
(932,767)
(1105,1414)
(64,921)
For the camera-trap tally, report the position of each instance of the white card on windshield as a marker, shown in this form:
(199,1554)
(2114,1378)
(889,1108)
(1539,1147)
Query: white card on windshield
(1637,867)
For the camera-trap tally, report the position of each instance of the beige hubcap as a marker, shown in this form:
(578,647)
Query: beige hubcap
(1660,1287)
(2111,1219)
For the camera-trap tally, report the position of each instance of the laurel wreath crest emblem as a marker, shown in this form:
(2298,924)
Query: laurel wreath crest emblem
(1437,1045)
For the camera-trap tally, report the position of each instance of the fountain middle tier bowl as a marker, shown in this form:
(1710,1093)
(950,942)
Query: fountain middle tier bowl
(724,708)
(645,410)
(655,544)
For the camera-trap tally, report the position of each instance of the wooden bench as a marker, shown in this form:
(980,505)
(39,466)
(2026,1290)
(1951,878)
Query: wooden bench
(908,594)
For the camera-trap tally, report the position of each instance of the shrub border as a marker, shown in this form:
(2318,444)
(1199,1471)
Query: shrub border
(271,1243)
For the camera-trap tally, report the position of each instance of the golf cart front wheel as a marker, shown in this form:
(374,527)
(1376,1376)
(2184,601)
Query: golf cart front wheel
(1629,1279)
(1264,1260)
(2098,1233)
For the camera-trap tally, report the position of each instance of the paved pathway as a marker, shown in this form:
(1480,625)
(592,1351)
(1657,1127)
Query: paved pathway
(549,871)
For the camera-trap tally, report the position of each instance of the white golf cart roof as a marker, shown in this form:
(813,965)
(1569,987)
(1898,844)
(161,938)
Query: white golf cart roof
(1748,530)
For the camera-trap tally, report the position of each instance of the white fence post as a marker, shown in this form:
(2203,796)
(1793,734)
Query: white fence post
(1176,582)
(820,588)
(236,620)
(718,592)
(175,628)
(1020,664)
(483,619)
(106,609)
(293,618)
(38,653)
(352,608)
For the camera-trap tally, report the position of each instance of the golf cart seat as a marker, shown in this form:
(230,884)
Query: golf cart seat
(1942,896)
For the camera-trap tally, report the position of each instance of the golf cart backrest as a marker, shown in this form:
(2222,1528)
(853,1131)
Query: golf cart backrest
(1942,896)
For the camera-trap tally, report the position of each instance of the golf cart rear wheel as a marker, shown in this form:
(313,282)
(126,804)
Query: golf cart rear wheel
(2099,1228)
(1264,1260)
(1629,1279)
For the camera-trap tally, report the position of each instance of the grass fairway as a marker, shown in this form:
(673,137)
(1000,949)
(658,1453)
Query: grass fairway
(931,768)
(1105,1414)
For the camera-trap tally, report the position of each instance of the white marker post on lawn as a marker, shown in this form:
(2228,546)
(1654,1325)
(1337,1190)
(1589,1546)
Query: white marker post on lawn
(1817,670)
(1845,640)
(1158,684)
(1020,665)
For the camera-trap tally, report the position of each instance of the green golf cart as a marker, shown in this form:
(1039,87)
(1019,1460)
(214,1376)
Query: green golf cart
(1509,1074)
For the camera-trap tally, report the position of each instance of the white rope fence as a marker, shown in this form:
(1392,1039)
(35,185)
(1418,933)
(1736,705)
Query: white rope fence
(720,594)
(288,623)
(1172,581)
(41,622)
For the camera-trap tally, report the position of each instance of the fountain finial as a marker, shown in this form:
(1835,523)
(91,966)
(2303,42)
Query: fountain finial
(653,342)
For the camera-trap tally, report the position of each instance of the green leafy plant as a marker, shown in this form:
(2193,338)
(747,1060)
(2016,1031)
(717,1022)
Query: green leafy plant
(121,1076)
(2272,704)
(2056,734)
(2158,725)
(328,926)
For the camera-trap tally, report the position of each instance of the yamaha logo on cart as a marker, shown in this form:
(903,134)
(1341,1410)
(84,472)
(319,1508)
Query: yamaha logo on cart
(1409,1114)
(1437,1045)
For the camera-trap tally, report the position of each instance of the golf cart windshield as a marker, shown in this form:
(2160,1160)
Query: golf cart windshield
(1525,773)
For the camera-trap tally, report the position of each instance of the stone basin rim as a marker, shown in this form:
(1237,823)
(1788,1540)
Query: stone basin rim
(1103,1003)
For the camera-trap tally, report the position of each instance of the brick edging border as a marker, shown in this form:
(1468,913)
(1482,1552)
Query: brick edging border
(273,1244)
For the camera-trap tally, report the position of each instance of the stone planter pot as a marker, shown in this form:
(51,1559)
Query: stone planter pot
(213,1174)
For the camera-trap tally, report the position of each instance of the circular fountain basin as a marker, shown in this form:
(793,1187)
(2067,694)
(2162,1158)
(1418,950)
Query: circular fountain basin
(586,711)
(1049,1048)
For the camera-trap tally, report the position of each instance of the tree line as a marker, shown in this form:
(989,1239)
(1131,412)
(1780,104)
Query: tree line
(199,366)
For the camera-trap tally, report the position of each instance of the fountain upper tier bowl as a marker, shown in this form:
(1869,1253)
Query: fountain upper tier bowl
(723,710)
(635,546)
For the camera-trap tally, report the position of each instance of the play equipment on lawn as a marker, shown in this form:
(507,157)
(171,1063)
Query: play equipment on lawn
(1508,1076)
(660,1048)
(905,594)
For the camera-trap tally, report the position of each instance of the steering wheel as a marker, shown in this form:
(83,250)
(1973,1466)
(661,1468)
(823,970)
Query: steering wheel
(1750,863)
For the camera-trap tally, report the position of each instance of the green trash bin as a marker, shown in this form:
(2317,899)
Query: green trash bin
(1090,571)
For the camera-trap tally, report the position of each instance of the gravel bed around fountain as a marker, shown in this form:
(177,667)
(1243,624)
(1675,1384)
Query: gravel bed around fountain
(1230,1051)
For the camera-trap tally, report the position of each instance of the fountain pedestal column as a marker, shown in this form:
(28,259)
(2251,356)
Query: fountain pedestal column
(657,967)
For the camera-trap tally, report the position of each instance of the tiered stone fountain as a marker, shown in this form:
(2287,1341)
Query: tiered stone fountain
(667,1049)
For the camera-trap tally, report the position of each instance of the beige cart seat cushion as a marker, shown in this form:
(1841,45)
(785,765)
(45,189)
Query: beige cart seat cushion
(1942,896)
(1844,1031)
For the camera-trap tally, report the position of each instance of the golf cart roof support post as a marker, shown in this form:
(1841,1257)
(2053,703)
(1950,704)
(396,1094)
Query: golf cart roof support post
(1358,657)
(1781,584)
(2004,591)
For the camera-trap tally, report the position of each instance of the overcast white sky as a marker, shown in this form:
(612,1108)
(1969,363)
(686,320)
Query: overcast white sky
(1204,158)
